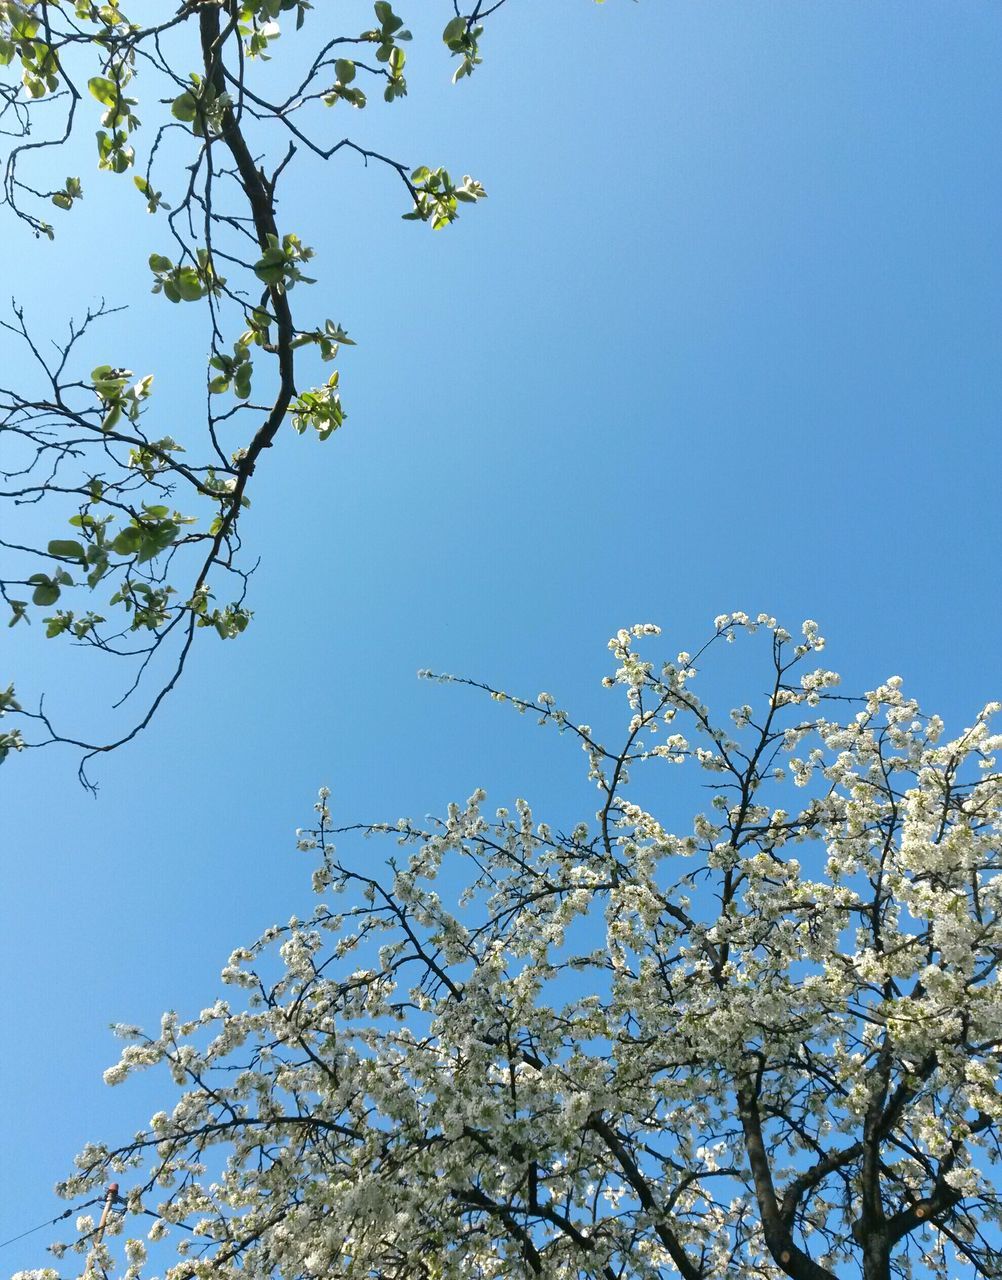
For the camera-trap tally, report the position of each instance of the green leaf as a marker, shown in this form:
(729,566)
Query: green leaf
(127,541)
(105,90)
(270,272)
(7,700)
(189,284)
(98,572)
(242,381)
(454,32)
(344,70)
(67,549)
(57,625)
(184,107)
(387,18)
(46,591)
(154,199)
(112,417)
(156,540)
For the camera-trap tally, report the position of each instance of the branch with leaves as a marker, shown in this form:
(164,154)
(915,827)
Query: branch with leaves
(145,524)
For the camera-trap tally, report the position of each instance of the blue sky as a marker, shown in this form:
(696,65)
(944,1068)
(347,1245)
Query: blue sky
(725,335)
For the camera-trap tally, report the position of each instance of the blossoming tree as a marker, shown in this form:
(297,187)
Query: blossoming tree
(765,1044)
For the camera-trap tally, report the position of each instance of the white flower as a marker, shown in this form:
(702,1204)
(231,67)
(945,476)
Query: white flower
(510,994)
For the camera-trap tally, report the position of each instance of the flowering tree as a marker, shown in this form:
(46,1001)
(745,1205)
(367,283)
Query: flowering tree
(130,513)
(765,1044)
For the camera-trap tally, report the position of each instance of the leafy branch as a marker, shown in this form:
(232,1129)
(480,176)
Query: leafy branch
(149,523)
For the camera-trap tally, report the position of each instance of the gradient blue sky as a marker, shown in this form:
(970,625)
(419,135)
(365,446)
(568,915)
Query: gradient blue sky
(725,335)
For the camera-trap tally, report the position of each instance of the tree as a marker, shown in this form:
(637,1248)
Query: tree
(154,522)
(763,1044)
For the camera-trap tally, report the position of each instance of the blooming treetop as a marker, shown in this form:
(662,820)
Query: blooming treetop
(765,1044)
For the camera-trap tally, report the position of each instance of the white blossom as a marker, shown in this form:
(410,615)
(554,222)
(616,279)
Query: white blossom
(539,1048)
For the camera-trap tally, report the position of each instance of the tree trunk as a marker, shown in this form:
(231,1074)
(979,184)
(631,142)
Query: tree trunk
(876,1253)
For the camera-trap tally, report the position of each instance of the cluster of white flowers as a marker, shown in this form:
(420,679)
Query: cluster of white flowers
(600,1055)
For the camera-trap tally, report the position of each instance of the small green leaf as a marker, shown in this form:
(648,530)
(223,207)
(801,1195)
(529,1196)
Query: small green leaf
(156,540)
(46,591)
(105,90)
(387,18)
(98,572)
(242,381)
(127,541)
(185,107)
(189,284)
(67,550)
(454,33)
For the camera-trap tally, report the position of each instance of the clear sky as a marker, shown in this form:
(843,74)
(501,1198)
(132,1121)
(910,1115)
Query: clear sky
(725,335)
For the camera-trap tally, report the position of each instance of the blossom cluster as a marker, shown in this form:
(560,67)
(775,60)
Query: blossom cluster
(620,1048)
